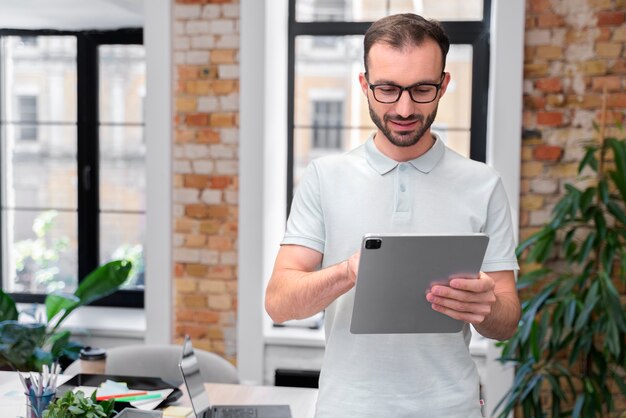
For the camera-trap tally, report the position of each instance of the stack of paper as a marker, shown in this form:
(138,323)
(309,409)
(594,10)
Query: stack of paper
(177,412)
(120,392)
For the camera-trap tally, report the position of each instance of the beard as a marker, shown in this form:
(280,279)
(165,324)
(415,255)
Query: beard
(407,138)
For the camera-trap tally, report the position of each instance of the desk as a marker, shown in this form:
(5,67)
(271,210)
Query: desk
(301,400)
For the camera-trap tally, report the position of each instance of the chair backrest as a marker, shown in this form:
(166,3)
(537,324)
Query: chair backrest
(154,360)
(162,361)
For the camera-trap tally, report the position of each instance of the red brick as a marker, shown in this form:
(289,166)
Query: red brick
(550,51)
(179,270)
(549,85)
(550,20)
(534,102)
(197,211)
(196,181)
(616,100)
(208,136)
(611,82)
(197,119)
(538,6)
(547,153)
(208,317)
(196,270)
(610,18)
(549,118)
(219,182)
(187,72)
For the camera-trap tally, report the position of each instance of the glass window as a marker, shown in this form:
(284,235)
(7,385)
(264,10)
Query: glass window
(27,111)
(47,209)
(39,204)
(329,111)
(370,10)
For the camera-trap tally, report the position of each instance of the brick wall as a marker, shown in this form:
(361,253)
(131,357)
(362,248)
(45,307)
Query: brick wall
(205,163)
(573,50)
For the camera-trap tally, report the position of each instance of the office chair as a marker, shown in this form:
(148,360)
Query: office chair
(162,361)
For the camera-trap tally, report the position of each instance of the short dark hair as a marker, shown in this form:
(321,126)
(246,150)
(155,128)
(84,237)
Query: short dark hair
(406,29)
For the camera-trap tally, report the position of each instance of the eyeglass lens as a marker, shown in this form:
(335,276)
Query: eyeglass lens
(421,93)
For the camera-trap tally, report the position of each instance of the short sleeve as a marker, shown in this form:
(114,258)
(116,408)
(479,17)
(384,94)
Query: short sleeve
(305,225)
(500,253)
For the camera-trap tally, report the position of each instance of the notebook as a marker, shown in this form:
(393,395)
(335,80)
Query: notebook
(396,271)
(200,398)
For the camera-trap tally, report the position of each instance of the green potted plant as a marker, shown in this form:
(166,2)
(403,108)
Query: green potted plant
(569,350)
(77,405)
(28,346)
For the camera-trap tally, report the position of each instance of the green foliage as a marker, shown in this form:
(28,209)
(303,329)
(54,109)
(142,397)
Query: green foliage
(36,259)
(572,334)
(78,405)
(28,346)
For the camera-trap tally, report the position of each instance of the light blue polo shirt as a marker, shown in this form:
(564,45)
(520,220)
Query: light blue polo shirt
(340,198)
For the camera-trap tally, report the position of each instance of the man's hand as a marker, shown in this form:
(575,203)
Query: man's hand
(469,300)
(490,302)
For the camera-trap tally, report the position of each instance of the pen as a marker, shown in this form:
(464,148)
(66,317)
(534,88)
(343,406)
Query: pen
(120,395)
(138,398)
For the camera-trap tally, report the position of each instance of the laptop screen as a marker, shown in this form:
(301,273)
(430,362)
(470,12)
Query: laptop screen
(193,379)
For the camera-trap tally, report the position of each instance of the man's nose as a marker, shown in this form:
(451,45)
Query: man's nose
(404,105)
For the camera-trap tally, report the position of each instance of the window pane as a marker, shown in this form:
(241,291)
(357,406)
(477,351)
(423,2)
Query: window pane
(122,83)
(370,10)
(331,113)
(121,237)
(41,253)
(42,68)
(39,174)
(122,168)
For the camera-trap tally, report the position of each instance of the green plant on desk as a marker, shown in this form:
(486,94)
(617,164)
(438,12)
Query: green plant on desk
(77,405)
(28,346)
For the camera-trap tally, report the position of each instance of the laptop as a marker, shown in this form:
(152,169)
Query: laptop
(396,271)
(199,397)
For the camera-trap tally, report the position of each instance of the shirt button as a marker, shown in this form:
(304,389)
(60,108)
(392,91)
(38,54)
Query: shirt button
(402,188)
(403,168)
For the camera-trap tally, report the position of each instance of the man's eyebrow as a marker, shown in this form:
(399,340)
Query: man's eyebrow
(384,81)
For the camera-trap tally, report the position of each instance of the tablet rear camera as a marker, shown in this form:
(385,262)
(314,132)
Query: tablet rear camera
(373,244)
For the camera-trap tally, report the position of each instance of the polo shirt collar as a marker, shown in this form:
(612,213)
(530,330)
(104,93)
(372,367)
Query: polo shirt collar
(424,163)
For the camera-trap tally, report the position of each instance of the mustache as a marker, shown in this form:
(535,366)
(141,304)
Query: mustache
(410,118)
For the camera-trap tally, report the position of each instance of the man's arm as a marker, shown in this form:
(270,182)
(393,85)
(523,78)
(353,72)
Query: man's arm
(490,303)
(298,290)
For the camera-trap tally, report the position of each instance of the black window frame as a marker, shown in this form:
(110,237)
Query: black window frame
(475,33)
(87,129)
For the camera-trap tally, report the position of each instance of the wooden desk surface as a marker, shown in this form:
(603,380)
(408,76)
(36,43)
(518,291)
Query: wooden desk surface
(301,400)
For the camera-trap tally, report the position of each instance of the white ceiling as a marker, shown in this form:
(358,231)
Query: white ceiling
(70,14)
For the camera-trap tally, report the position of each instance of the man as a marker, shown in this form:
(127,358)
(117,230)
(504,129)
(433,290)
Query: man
(403,179)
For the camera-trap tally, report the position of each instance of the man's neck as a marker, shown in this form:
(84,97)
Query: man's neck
(403,154)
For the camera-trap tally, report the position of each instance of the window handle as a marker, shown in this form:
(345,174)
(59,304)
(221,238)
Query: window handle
(87,178)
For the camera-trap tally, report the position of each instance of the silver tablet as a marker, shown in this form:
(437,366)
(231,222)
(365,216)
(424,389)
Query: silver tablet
(395,272)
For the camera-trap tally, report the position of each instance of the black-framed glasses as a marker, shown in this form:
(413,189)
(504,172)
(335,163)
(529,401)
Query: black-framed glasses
(418,92)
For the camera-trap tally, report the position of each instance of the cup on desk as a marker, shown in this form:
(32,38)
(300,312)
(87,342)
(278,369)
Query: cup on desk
(92,360)
(36,404)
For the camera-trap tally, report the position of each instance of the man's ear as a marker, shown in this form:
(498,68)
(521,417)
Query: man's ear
(364,84)
(444,84)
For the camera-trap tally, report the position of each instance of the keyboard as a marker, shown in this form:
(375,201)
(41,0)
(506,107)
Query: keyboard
(240,412)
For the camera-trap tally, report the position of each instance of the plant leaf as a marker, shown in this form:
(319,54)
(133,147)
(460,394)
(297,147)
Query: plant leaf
(8,310)
(56,303)
(103,281)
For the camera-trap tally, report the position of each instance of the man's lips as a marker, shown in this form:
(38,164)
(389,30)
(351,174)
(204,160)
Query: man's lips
(404,124)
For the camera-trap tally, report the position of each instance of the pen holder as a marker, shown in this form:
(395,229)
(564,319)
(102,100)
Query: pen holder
(36,404)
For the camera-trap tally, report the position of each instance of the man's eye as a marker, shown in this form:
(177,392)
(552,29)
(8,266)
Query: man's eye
(387,89)
(423,89)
